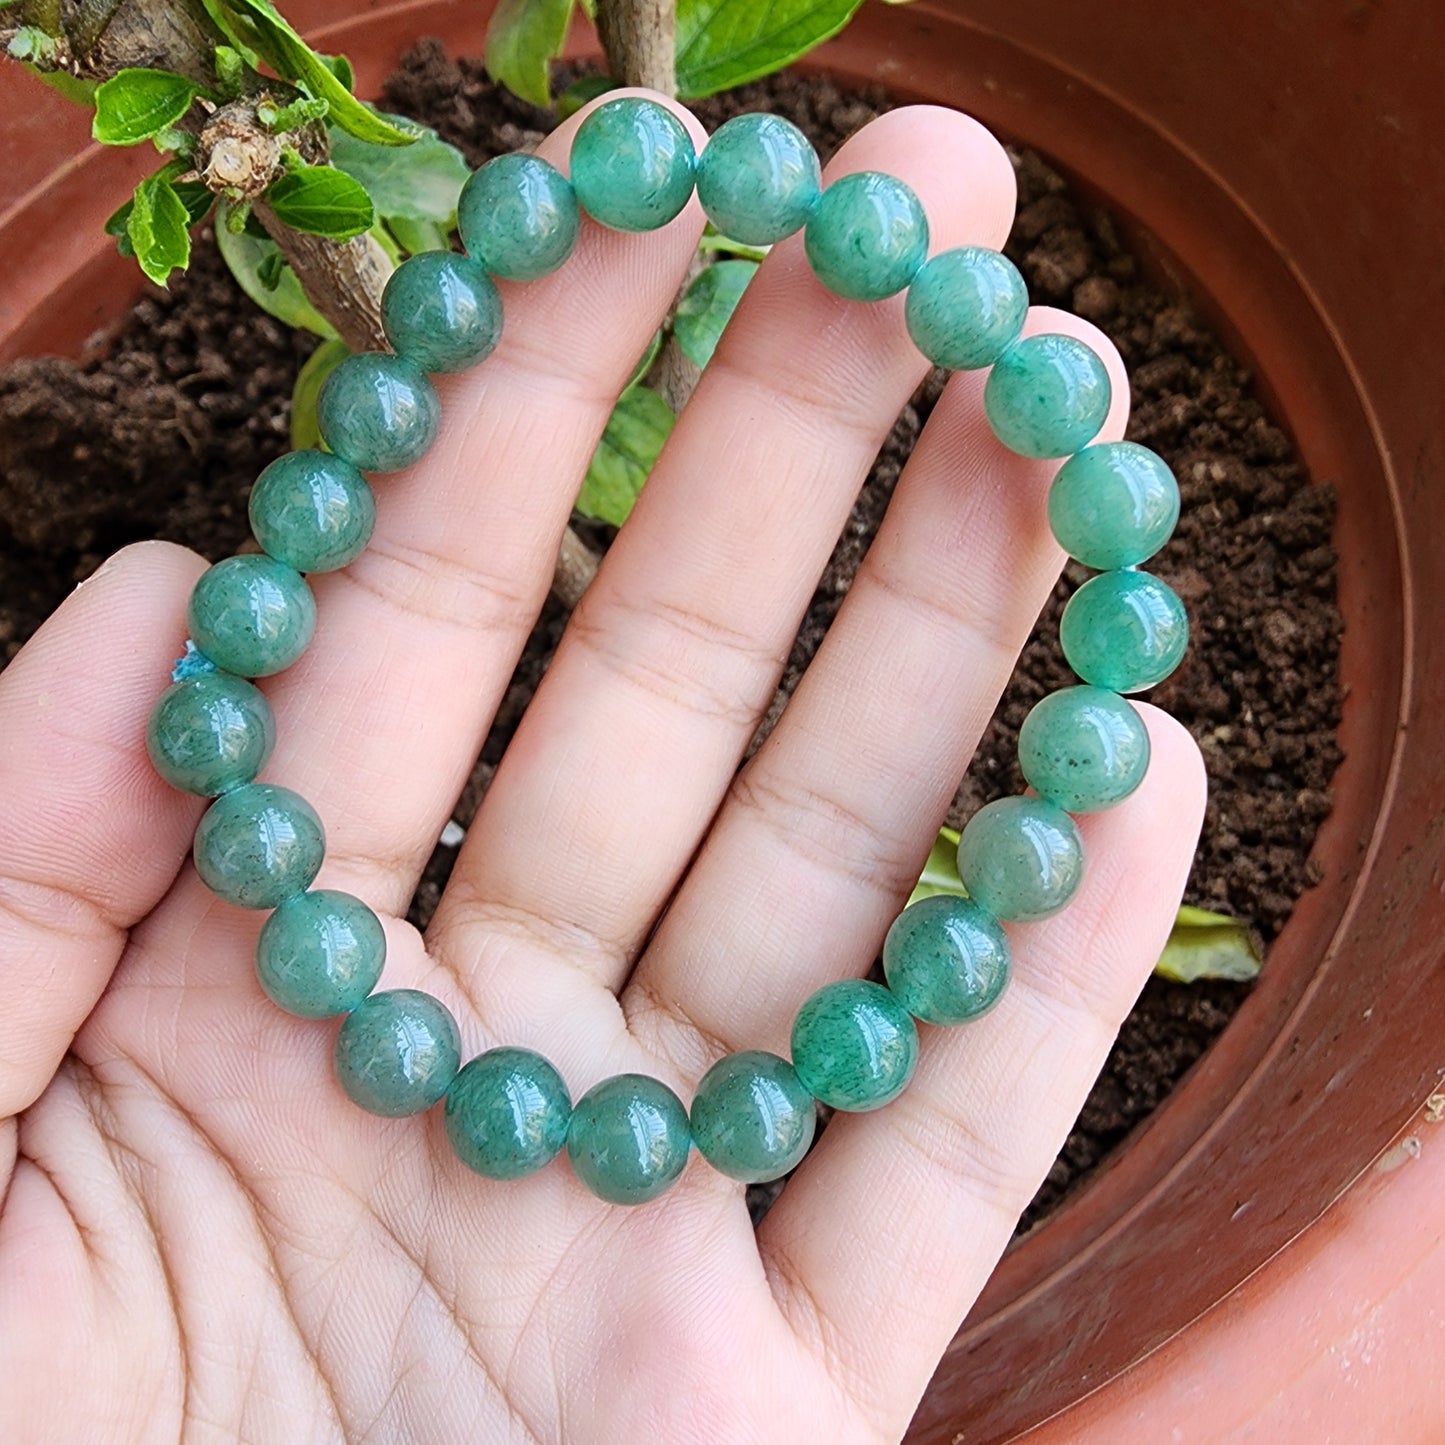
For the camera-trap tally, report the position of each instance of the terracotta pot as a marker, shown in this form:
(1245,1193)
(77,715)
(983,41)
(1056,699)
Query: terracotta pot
(1285,165)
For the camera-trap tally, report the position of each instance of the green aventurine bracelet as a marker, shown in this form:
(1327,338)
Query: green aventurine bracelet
(946,959)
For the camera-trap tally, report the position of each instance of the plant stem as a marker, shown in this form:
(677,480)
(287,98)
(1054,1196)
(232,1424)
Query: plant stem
(640,38)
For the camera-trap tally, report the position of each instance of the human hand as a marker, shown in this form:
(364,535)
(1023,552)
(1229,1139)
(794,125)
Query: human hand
(202,1236)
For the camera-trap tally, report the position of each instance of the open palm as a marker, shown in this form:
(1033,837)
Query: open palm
(202,1237)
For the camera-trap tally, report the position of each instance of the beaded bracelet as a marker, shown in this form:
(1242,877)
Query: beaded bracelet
(946,959)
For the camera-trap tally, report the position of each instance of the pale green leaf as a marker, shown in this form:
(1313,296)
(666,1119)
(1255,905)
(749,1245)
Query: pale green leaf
(523,38)
(723,43)
(193,195)
(1208,945)
(305,425)
(638,427)
(322,201)
(940,872)
(246,254)
(421,183)
(134,105)
(708,307)
(157,229)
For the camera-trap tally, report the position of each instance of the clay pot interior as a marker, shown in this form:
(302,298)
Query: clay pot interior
(1294,209)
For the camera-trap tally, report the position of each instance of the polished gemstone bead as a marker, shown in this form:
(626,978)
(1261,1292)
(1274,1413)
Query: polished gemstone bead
(210,733)
(518,217)
(507,1113)
(258,845)
(1047,396)
(1083,748)
(1124,631)
(946,959)
(441,311)
(1021,858)
(854,1045)
(867,236)
(379,412)
(397,1052)
(758,179)
(628,1139)
(752,1119)
(633,164)
(320,954)
(312,511)
(966,307)
(1113,505)
(251,615)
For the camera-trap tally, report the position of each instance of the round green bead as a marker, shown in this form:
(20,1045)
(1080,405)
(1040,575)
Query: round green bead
(379,412)
(1083,748)
(966,307)
(1047,396)
(1124,631)
(210,733)
(633,164)
(867,236)
(752,1119)
(758,179)
(1021,858)
(397,1052)
(629,1139)
(251,615)
(854,1045)
(507,1113)
(441,311)
(320,954)
(518,216)
(312,511)
(1113,505)
(946,959)
(258,845)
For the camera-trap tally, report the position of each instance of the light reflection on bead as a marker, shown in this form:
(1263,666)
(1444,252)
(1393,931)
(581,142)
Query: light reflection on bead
(1047,396)
(1124,630)
(1021,858)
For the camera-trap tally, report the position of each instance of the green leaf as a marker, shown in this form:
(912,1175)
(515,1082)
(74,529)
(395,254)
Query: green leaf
(156,229)
(322,201)
(421,183)
(279,119)
(340,67)
(636,430)
(238,30)
(134,105)
(77,92)
(644,362)
(1208,945)
(523,38)
(580,92)
(230,71)
(294,60)
(305,427)
(714,240)
(245,255)
(31,44)
(414,237)
(723,43)
(708,306)
(940,872)
(193,195)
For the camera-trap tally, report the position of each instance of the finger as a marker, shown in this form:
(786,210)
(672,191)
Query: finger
(825,831)
(380,723)
(90,837)
(675,651)
(886,1235)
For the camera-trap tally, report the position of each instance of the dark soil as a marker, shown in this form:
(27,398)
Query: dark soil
(164,435)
